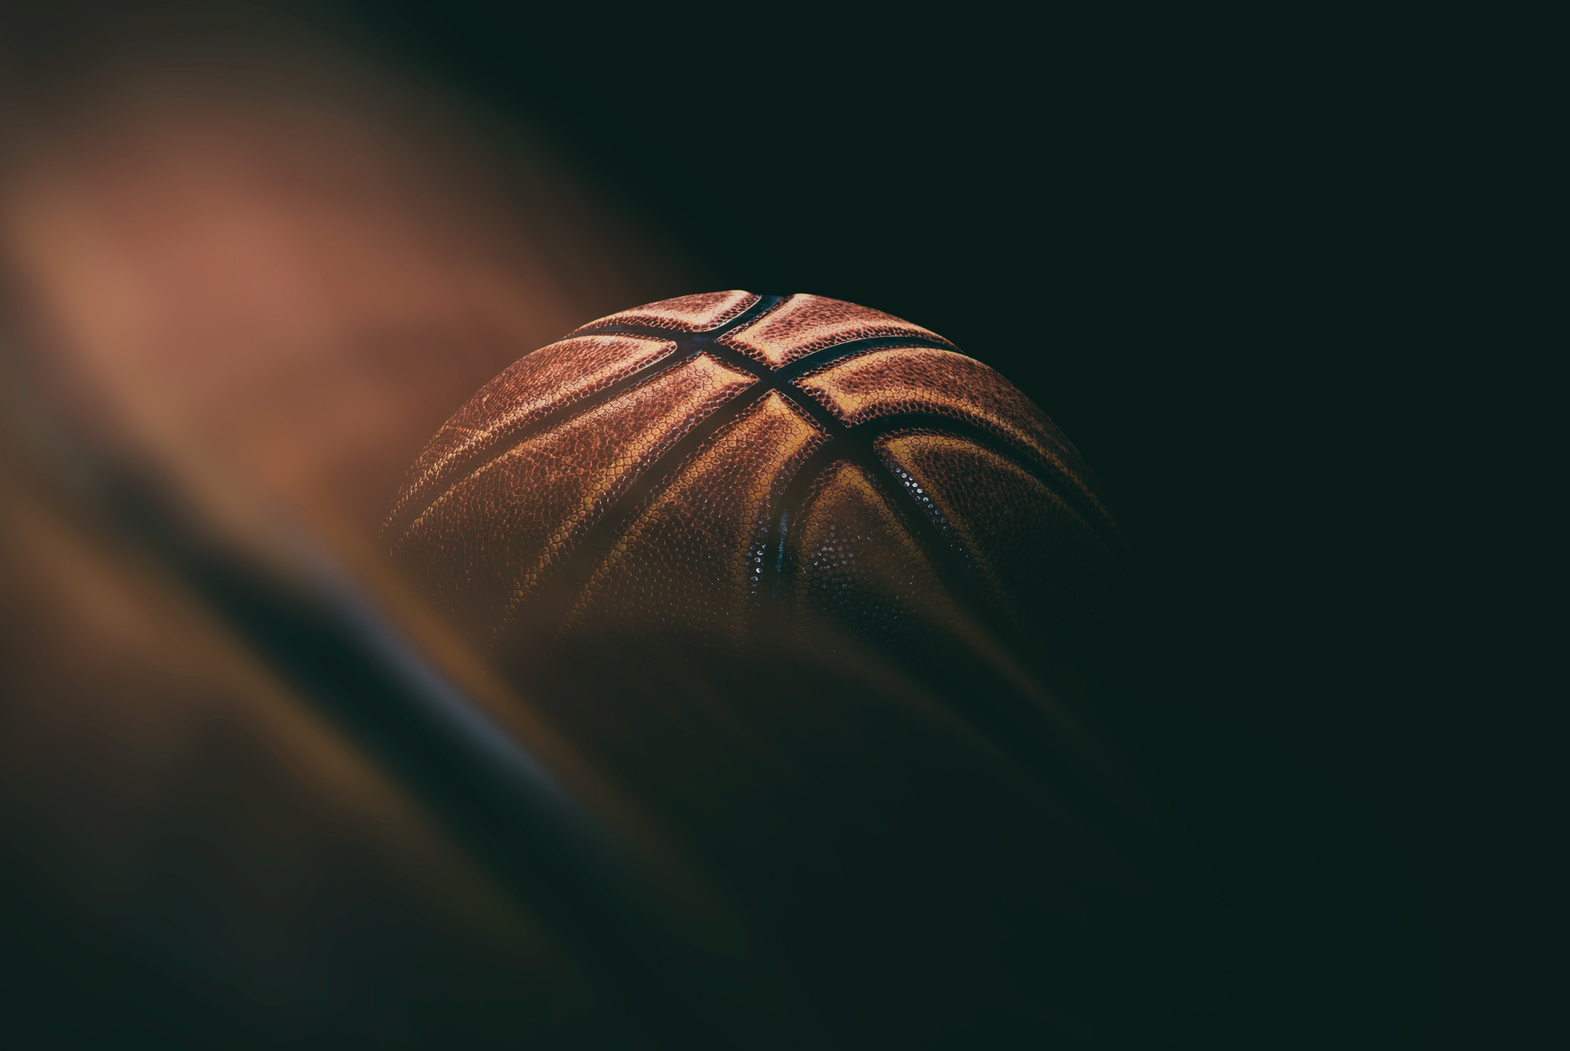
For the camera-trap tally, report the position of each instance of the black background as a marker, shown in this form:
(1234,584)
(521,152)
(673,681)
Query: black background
(1207,245)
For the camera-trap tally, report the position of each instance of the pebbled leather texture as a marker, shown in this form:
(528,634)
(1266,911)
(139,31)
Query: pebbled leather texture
(683,314)
(799,325)
(547,380)
(672,467)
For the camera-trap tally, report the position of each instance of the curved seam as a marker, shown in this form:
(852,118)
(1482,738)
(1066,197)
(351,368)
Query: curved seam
(736,311)
(646,487)
(503,442)
(765,305)
(1094,519)
(686,346)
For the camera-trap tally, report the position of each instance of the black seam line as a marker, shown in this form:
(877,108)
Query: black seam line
(781,380)
(950,559)
(855,443)
(986,702)
(792,501)
(592,549)
(683,337)
(798,366)
(590,553)
(688,346)
(825,356)
(498,443)
(989,704)
(860,448)
(764,305)
(998,717)
(1094,519)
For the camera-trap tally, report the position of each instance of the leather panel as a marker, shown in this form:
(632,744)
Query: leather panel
(697,313)
(920,379)
(802,324)
(856,559)
(690,561)
(493,536)
(536,384)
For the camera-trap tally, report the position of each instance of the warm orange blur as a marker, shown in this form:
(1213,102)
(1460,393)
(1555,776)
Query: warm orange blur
(287,268)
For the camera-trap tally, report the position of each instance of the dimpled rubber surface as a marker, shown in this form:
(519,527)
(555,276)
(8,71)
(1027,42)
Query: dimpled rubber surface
(674,466)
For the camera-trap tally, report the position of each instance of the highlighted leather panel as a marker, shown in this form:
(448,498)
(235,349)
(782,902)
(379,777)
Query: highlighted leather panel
(697,313)
(535,385)
(802,324)
(494,536)
(692,558)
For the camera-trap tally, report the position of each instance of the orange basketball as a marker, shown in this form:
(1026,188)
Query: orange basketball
(680,466)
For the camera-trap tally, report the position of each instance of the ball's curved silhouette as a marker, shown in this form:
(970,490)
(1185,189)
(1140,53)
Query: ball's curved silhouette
(675,466)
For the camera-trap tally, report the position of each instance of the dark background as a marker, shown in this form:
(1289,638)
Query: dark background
(1208,245)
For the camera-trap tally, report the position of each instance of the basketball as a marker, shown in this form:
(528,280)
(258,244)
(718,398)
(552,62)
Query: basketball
(813,583)
(678,467)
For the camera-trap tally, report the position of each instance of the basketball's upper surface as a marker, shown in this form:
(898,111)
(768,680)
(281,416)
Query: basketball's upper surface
(674,466)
